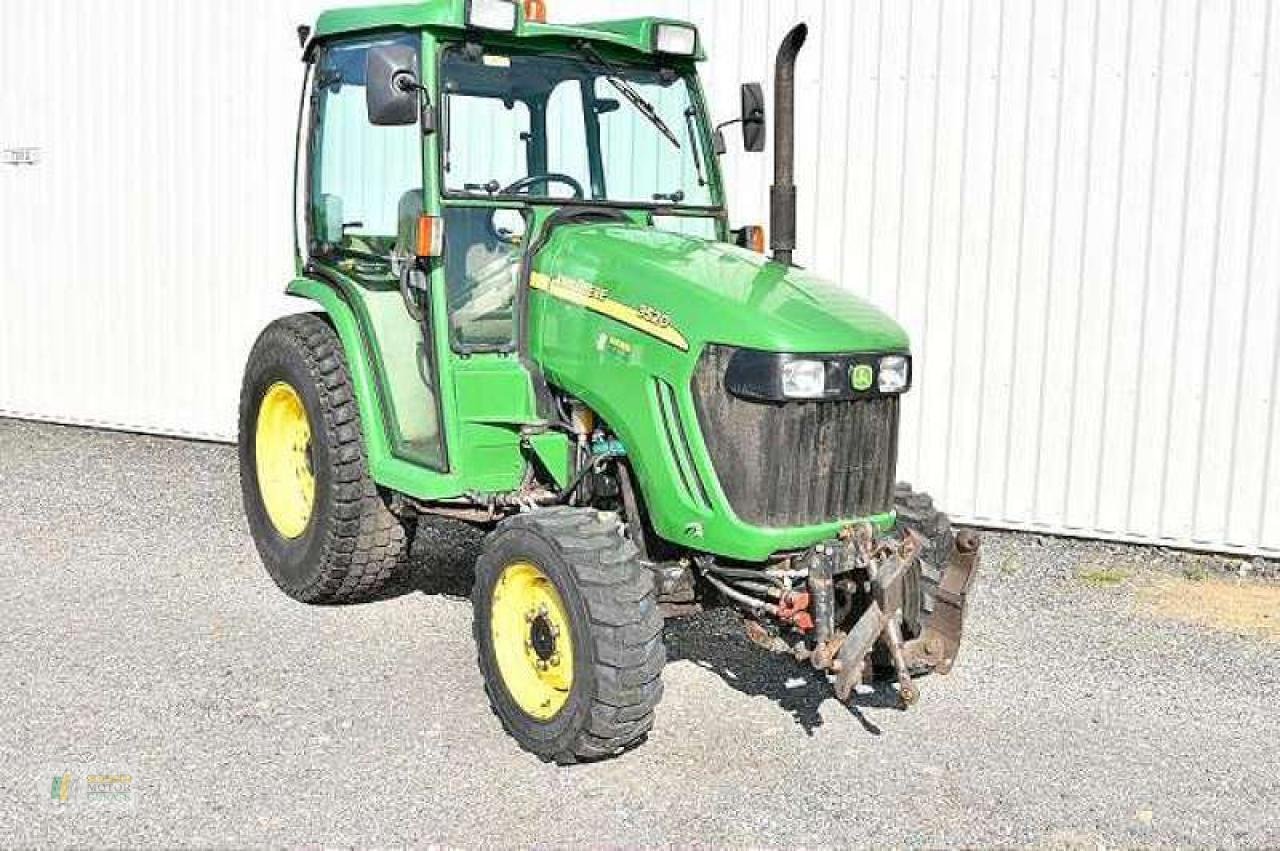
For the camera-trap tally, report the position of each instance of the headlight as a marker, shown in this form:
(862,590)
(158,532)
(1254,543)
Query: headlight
(675,39)
(492,15)
(895,374)
(780,377)
(804,379)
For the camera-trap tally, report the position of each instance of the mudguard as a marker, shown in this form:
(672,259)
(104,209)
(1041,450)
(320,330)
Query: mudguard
(385,468)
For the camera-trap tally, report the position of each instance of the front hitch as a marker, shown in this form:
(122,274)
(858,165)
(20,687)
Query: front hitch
(881,565)
(872,570)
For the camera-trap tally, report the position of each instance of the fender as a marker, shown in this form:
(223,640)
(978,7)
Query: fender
(384,467)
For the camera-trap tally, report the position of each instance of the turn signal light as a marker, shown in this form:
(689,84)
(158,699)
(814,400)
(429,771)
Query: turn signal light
(535,11)
(751,236)
(430,236)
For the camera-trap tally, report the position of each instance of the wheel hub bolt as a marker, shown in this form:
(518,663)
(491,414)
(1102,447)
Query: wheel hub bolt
(541,639)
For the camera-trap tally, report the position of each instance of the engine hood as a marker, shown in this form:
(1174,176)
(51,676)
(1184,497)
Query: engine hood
(711,292)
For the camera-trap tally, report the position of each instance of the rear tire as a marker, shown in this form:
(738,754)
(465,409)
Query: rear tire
(917,512)
(342,545)
(592,696)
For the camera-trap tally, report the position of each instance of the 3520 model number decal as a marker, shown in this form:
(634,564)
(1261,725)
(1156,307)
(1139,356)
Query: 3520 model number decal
(644,318)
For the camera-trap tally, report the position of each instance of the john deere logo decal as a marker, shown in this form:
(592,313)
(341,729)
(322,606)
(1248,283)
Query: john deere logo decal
(861,377)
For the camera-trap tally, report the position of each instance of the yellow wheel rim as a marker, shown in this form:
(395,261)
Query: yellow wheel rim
(531,640)
(283,449)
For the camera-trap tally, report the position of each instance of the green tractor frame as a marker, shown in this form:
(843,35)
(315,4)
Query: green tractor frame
(530,314)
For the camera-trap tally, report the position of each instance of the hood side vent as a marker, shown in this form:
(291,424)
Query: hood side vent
(678,444)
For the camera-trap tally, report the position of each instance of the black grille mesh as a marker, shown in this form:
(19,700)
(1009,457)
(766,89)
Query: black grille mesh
(797,463)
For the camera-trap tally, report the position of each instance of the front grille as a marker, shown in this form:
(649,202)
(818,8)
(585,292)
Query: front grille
(797,463)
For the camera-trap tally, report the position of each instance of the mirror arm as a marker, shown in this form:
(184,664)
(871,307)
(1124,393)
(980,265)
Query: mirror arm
(717,136)
(407,287)
(428,115)
(406,82)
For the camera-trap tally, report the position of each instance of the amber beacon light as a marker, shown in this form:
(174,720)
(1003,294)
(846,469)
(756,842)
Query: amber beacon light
(535,11)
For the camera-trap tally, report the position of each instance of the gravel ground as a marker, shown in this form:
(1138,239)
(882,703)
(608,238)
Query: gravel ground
(139,629)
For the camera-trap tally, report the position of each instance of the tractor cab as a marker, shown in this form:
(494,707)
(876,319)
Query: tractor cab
(439,139)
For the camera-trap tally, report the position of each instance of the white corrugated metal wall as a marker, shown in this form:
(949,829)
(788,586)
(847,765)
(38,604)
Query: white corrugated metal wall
(1072,205)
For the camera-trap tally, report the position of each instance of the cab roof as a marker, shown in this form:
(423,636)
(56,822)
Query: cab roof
(636,34)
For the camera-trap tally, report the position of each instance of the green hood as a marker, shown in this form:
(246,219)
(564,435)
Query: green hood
(718,293)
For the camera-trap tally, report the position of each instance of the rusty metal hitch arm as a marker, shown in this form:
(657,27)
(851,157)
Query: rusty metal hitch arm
(938,643)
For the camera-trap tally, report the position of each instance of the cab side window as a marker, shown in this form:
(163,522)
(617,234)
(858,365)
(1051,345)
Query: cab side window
(361,173)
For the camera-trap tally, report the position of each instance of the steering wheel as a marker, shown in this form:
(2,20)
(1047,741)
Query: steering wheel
(524,184)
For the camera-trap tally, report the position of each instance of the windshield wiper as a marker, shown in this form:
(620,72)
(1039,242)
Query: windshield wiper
(628,91)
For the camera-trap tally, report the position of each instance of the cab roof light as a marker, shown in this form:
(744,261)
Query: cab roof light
(497,15)
(675,39)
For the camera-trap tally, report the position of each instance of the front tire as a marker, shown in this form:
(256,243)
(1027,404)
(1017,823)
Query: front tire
(568,634)
(320,525)
(917,512)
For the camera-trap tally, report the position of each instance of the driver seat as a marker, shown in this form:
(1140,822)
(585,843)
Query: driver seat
(481,272)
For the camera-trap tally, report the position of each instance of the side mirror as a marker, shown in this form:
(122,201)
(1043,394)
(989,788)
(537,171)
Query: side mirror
(753,123)
(391,85)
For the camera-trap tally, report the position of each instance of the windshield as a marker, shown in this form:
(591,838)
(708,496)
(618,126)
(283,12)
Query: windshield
(564,127)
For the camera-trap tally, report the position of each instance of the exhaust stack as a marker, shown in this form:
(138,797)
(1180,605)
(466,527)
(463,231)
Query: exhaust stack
(782,195)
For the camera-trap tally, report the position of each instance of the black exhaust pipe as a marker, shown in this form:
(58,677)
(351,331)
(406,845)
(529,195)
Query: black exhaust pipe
(782,195)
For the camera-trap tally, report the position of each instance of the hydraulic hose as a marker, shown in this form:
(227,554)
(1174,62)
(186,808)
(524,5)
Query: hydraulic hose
(739,597)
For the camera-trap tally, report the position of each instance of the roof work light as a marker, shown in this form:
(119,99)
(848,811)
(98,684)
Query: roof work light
(492,15)
(676,39)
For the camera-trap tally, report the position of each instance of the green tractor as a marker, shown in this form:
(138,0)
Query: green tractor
(531,314)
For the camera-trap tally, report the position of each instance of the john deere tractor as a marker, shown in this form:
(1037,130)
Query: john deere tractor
(530,313)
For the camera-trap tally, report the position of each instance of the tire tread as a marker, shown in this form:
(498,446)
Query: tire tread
(916,511)
(366,546)
(625,625)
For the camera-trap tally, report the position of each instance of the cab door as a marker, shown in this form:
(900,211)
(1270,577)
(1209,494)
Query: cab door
(486,144)
(365,194)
